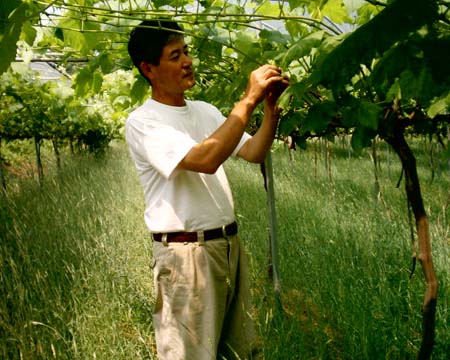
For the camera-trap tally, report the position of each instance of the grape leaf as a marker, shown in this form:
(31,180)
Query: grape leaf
(83,36)
(12,17)
(362,138)
(302,47)
(440,105)
(392,24)
(318,117)
(336,11)
(28,33)
(139,90)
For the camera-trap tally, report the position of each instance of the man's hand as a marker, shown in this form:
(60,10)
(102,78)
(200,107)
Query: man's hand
(275,90)
(263,81)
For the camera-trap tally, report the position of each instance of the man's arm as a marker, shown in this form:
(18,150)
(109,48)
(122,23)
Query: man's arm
(255,149)
(207,156)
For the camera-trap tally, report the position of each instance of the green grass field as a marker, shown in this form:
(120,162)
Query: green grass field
(75,281)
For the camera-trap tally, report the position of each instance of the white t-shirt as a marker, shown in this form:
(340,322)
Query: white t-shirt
(159,136)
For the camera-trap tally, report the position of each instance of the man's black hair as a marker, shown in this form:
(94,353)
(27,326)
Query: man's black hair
(148,39)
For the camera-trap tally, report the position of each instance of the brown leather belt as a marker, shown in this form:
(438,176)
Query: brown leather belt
(181,237)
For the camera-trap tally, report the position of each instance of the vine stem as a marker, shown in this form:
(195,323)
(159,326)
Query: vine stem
(413,193)
(131,15)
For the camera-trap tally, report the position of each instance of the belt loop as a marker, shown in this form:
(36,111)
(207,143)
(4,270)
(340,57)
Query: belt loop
(201,238)
(164,239)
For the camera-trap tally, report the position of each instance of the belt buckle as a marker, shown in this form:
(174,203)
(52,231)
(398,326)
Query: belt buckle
(224,232)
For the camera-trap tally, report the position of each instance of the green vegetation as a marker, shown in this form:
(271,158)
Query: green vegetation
(369,69)
(345,258)
(76,283)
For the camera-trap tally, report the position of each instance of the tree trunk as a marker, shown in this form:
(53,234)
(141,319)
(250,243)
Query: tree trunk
(328,160)
(57,153)
(315,160)
(388,161)
(291,147)
(413,192)
(431,159)
(72,149)
(37,145)
(377,187)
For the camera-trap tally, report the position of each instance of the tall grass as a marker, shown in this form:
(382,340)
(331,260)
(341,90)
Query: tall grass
(345,257)
(75,281)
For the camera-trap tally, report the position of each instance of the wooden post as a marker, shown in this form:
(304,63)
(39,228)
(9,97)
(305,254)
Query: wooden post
(37,145)
(273,227)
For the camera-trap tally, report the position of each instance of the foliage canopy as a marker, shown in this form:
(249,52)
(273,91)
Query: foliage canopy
(348,60)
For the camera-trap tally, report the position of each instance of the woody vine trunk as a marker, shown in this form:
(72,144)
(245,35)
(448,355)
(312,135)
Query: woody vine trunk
(412,187)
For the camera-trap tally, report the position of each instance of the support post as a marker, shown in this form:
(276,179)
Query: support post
(273,227)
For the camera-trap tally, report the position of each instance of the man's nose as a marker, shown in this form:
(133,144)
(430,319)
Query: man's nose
(187,60)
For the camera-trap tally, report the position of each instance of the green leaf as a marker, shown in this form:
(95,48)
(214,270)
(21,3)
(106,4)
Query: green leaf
(336,11)
(296,29)
(408,85)
(440,106)
(28,33)
(425,86)
(436,53)
(319,116)
(6,11)
(247,44)
(268,8)
(209,48)
(83,81)
(97,81)
(103,62)
(301,142)
(82,36)
(302,47)
(140,89)
(293,94)
(394,23)
(366,12)
(12,17)
(173,3)
(289,122)
(362,138)
(395,91)
(274,36)
(293,4)
(363,113)
(387,69)
(369,114)
(59,34)
(106,62)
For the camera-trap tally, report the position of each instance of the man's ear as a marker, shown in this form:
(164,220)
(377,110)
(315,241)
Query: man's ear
(146,69)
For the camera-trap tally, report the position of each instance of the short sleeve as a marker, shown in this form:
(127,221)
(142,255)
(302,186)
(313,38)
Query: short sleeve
(163,147)
(220,118)
(244,138)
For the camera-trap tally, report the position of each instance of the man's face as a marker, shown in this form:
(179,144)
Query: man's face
(174,74)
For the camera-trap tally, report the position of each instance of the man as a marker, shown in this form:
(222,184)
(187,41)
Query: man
(201,281)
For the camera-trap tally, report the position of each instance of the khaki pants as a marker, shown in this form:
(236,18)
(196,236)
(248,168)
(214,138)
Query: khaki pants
(202,301)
